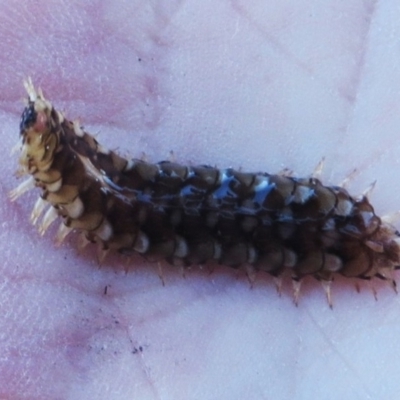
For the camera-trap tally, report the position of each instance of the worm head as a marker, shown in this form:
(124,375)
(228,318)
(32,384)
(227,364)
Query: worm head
(38,131)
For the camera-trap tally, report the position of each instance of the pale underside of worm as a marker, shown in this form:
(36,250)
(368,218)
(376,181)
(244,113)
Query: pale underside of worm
(196,214)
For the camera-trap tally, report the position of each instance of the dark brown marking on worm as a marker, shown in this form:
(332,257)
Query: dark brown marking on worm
(194,214)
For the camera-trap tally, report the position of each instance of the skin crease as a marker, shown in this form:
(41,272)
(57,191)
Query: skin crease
(249,84)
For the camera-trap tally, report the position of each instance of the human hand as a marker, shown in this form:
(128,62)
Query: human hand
(259,85)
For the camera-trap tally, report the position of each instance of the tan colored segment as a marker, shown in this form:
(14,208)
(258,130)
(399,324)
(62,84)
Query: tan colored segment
(235,255)
(65,195)
(344,205)
(271,261)
(181,247)
(122,242)
(88,221)
(50,145)
(284,185)
(371,222)
(329,235)
(148,172)
(75,209)
(311,264)
(209,175)
(91,141)
(246,179)
(104,231)
(202,251)
(326,199)
(174,170)
(332,263)
(50,176)
(358,266)
(119,162)
(54,186)
(302,193)
(289,258)
(252,254)
(142,243)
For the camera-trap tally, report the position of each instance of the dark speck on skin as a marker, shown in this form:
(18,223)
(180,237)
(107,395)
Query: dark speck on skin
(137,350)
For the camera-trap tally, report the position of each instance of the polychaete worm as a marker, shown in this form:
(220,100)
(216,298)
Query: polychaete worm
(188,215)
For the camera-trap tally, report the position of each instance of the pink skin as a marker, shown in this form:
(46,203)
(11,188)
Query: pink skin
(250,84)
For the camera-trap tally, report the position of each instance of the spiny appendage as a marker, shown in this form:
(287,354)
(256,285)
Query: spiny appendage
(327,288)
(38,210)
(278,284)
(251,274)
(36,96)
(16,148)
(30,89)
(318,169)
(391,218)
(296,283)
(22,188)
(160,273)
(83,241)
(369,190)
(102,253)
(387,275)
(50,216)
(348,179)
(62,233)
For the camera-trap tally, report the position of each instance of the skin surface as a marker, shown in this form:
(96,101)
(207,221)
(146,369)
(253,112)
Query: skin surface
(258,85)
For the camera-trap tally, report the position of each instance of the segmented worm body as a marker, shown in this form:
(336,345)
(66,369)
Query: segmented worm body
(194,214)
